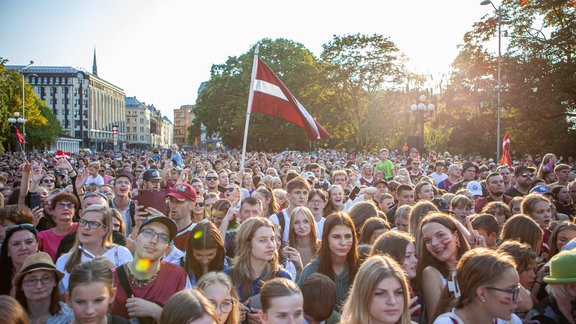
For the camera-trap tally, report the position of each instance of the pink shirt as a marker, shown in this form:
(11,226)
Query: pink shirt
(48,241)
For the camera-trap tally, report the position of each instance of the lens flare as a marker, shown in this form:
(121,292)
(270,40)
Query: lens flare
(142,265)
(198,235)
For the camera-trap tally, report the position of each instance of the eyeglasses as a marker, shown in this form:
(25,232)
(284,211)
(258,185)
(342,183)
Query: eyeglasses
(316,202)
(150,234)
(33,282)
(48,181)
(225,306)
(91,224)
(65,205)
(515,292)
(211,178)
(527,175)
(95,193)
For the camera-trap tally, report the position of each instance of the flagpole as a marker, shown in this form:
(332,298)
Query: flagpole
(249,108)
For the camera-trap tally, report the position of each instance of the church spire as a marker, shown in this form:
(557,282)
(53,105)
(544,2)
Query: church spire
(94,67)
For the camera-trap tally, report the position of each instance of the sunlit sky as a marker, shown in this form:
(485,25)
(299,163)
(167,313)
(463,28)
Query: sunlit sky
(160,51)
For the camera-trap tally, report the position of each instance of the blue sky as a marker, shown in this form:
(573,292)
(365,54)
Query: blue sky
(160,51)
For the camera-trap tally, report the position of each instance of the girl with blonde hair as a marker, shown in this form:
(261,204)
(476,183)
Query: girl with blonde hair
(302,235)
(380,294)
(217,287)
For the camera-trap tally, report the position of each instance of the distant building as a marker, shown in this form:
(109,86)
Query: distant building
(137,124)
(87,106)
(183,118)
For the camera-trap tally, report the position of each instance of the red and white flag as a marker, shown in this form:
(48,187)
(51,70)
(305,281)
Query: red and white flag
(19,136)
(273,98)
(506,158)
(62,154)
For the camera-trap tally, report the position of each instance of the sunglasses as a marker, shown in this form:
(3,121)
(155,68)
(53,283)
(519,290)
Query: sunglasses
(48,180)
(211,178)
(200,203)
(13,228)
(230,189)
(527,175)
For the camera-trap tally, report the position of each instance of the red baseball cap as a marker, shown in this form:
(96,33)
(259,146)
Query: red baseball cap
(182,192)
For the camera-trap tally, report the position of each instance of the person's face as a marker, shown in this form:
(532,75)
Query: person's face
(386,204)
(284,310)
(122,186)
(217,217)
(563,175)
(551,177)
(383,156)
(316,205)
(107,191)
(48,183)
(564,196)
(298,197)
(204,256)
(455,171)
(405,197)
(337,196)
(402,224)
(41,290)
(64,212)
(542,213)
(180,209)
(515,208)
(91,236)
(439,168)
(219,295)
(501,304)
(223,178)
(301,225)
(263,244)
(151,184)
(317,172)
(198,207)
(426,193)
(564,237)
(232,193)
(367,170)
(280,198)
(340,180)
(340,241)
(469,174)
(440,242)
(90,302)
(20,245)
(415,165)
(212,180)
(198,186)
(261,197)
(528,276)
(3,226)
(247,181)
(249,210)
(208,203)
(461,213)
(116,224)
(505,173)
(410,261)
(572,190)
(152,248)
(496,185)
(387,302)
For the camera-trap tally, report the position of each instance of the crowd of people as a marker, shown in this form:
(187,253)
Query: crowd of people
(329,237)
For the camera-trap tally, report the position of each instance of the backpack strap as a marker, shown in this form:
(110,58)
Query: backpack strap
(123,278)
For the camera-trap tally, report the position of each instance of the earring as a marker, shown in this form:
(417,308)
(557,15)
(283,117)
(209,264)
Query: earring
(483,300)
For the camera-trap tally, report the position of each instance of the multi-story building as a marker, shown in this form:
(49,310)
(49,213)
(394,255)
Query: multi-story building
(167,132)
(137,124)
(183,118)
(87,106)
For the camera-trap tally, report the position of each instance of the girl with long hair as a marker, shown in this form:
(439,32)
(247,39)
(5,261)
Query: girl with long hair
(563,233)
(380,294)
(282,302)
(547,165)
(302,235)
(188,306)
(217,287)
(204,252)
(256,259)
(418,212)
(269,205)
(93,239)
(537,207)
(489,289)
(338,255)
(335,200)
(19,243)
(373,228)
(441,246)
(524,230)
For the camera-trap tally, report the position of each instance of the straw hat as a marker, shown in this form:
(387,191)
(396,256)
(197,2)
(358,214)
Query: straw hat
(562,268)
(34,262)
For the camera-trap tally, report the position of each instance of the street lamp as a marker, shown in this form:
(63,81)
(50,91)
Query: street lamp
(23,107)
(422,110)
(14,122)
(500,22)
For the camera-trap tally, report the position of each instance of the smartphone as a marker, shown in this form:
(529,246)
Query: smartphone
(153,198)
(354,193)
(34,200)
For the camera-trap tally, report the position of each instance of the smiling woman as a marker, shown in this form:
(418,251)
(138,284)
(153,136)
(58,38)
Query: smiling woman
(64,207)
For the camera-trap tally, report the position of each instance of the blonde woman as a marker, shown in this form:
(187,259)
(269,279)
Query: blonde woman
(217,287)
(380,294)
(302,235)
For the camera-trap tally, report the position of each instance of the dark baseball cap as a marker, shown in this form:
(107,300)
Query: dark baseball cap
(151,174)
(522,168)
(168,222)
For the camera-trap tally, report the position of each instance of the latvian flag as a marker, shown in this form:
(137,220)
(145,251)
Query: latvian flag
(273,98)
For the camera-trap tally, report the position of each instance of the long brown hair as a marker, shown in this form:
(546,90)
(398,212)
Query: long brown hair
(187,305)
(523,229)
(393,243)
(204,236)
(325,258)
(314,243)
(554,237)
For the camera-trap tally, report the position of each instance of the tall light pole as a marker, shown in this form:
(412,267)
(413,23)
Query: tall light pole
(499,21)
(23,106)
(420,110)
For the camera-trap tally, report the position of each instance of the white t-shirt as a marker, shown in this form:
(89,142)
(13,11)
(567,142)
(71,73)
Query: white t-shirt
(450,317)
(438,177)
(98,180)
(274,219)
(116,253)
(319,228)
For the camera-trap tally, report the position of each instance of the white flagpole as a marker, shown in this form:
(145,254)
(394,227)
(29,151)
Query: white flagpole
(250,98)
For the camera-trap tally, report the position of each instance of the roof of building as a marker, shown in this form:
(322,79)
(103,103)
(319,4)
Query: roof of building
(45,69)
(132,101)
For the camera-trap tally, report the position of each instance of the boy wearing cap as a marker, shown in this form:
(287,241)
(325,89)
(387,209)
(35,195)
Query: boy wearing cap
(524,176)
(182,199)
(145,284)
(469,170)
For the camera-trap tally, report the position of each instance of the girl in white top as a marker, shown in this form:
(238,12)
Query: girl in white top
(93,240)
(489,289)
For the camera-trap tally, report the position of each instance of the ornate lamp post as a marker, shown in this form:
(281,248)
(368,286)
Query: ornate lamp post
(14,122)
(421,111)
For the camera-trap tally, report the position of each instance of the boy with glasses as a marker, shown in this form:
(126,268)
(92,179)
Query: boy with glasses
(148,282)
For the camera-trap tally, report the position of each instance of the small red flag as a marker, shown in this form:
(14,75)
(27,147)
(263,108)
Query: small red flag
(506,158)
(19,136)
(273,98)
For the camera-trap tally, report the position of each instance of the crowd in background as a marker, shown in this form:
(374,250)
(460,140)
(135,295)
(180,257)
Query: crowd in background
(329,237)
